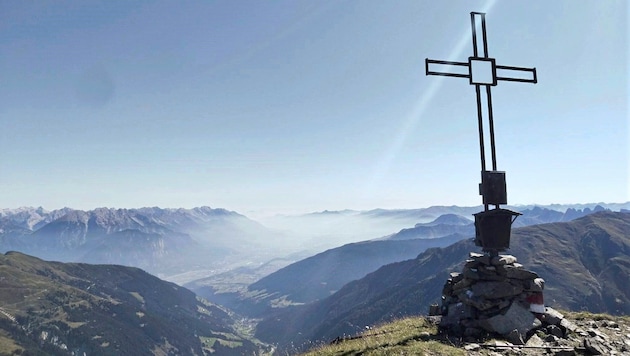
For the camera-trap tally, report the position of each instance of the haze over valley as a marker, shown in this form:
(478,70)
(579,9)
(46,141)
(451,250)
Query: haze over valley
(266,280)
(184,245)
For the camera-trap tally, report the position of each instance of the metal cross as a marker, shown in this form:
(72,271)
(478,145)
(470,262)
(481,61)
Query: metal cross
(482,70)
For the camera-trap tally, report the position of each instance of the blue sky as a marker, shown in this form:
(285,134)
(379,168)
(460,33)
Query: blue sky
(296,106)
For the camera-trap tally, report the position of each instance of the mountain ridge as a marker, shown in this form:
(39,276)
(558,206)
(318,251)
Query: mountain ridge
(408,287)
(160,240)
(75,308)
(320,275)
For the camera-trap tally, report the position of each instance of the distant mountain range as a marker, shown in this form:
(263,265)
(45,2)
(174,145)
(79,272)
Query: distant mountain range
(320,275)
(52,308)
(585,262)
(450,223)
(166,241)
(189,244)
(425,215)
(339,290)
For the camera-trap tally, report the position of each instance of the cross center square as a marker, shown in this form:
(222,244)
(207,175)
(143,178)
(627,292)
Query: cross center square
(483,71)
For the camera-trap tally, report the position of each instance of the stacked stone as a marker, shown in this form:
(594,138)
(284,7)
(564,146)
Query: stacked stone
(493,294)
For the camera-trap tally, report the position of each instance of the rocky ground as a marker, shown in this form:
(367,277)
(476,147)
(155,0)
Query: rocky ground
(559,334)
(497,300)
(575,334)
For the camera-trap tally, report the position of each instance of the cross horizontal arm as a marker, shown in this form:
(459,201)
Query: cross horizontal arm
(445,66)
(515,74)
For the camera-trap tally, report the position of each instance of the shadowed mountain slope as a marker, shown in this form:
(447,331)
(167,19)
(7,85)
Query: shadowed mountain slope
(330,270)
(73,308)
(319,276)
(585,262)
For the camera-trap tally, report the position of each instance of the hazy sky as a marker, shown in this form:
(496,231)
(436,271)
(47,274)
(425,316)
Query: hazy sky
(295,106)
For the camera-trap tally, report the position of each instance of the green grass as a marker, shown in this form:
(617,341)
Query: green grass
(282,302)
(90,306)
(228,336)
(584,315)
(137,295)
(8,346)
(208,342)
(230,344)
(409,336)
(230,341)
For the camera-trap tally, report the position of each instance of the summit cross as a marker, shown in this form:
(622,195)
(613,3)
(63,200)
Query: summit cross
(482,70)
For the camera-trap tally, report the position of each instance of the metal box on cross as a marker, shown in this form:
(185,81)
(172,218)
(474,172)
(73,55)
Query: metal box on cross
(493,188)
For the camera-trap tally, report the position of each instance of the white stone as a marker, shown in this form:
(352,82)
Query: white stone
(472,347)
(516,317)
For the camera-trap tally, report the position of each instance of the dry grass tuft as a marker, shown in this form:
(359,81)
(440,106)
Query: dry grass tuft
(409,336)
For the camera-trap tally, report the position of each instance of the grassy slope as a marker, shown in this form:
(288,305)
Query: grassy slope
(409,336)
(103,309)
(417,336)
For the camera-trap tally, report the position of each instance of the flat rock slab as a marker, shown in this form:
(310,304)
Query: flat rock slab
(482,304)
(595,347)
(535,341)
(461,285)
(552,316)
(515,337)
(472,274)
(481,259)
(516,318)
(536,285)
(503,260)
(519,273)
(495,289)
(456,313)
(569,326)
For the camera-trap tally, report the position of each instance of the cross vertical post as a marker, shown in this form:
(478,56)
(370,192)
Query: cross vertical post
(483,71)
(484,41)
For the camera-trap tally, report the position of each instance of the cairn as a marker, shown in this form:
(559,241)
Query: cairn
(492,295)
